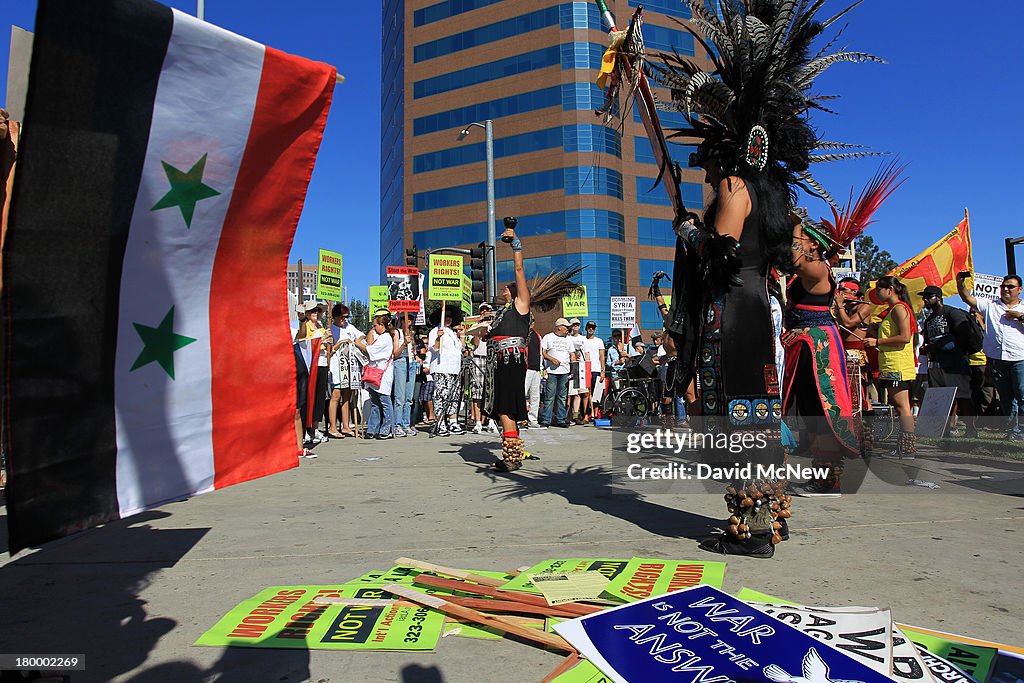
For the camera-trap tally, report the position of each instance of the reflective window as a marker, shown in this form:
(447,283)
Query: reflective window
(569,55)
(574,180)
(643,153)
(656,232)
(448,8)
(673,8)
(572,97)
(585,138)
(646,193)
(489,34)
(580,15)
(648,267)
(650,316)
(576,224)
(668,39)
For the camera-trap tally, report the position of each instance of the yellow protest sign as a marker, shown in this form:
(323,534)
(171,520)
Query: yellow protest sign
(574,304)
(445,278)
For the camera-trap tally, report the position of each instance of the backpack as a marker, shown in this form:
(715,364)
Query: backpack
(970,335)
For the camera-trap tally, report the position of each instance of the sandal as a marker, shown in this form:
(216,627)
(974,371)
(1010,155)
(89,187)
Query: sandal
(336,435)
(348,433)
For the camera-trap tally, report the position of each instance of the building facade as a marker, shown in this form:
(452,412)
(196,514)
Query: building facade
(308,277)
(582,188)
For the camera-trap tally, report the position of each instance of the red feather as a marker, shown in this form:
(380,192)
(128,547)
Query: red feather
(851,223)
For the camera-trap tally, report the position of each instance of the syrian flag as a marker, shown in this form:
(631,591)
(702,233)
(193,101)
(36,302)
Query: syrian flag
(163,168)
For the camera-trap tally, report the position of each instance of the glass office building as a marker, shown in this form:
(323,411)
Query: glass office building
(582,188)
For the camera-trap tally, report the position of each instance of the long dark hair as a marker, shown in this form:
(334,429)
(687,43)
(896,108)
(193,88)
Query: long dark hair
(774,199)
(893,283)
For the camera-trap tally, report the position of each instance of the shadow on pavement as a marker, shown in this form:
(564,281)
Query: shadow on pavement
(592,487)
(414,673)
(82,595)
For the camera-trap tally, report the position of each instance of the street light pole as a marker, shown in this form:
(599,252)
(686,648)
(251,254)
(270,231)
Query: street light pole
(201,10)
(492,236)
(492,272)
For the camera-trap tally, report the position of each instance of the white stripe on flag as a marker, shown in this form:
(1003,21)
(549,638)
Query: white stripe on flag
(204,107)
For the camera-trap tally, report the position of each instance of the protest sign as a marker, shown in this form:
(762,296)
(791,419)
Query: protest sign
(328,276)
(574,304)
(559,587)
(975,660)
(703,634)
(646,577)
(378,298)
(986,286)
(864,633)
(288,617)
(421,317)
(942,670)
(444,282)
(404,288)
(907,664)
(751,595)
(467,295)
(610,568)
(623,309)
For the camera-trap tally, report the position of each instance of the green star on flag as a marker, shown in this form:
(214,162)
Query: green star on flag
(159,344)
(187,189)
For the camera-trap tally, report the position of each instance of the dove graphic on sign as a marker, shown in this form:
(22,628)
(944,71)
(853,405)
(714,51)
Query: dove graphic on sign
(814,671)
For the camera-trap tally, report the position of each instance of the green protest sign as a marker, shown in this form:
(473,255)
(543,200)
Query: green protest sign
(378,298)
(643,578)
(287,617)
(609,568)
(975,660)
(328,276)
(445,278)
(467,295)
(574,304)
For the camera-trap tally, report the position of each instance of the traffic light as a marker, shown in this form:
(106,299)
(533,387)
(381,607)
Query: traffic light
(412,257)
(476,269)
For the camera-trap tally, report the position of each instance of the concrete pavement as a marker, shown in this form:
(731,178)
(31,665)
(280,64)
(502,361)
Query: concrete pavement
(134,595)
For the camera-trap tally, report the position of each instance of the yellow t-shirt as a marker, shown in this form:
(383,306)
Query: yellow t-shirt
(895,361)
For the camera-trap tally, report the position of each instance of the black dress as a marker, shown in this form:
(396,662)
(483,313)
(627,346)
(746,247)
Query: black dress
(736,357)
(505,378)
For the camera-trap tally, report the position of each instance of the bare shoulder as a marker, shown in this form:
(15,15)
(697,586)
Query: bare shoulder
(732,185)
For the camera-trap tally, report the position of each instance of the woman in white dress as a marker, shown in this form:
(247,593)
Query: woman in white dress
(381,345)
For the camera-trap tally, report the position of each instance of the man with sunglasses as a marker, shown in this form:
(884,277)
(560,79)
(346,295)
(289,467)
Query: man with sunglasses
(1004,341)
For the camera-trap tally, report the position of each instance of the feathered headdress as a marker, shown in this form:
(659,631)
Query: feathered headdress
(848,224)
(753,107)
(547,291)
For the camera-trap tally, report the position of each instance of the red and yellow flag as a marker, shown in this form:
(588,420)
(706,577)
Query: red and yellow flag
(938,264)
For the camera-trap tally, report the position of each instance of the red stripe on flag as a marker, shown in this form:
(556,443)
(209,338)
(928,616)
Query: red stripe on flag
(253,365)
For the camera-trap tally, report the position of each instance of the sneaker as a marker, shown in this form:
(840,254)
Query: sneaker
(477,428)
(456,429)
(1016,436)
(536,425)
(492,427)
(384,437)
(816,489)
(409,431)
(399,431)
(306,453)
(561,425)
(752,547)
(443,431)
(319,437)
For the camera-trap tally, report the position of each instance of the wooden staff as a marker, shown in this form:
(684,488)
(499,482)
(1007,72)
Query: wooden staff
(449,571)
(540,637)
(575,609)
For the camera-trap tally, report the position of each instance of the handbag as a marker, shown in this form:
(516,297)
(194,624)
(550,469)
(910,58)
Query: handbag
(373,376)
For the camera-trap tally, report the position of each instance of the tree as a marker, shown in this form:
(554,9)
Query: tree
(872,262)
(359,314)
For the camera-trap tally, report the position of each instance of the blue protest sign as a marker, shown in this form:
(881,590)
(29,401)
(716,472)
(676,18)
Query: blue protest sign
(702,635)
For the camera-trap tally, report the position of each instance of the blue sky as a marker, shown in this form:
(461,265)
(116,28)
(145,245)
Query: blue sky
(947,102)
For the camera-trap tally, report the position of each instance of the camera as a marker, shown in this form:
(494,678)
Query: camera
(510,223)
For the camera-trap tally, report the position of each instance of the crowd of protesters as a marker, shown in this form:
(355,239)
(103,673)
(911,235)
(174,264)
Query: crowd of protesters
(433,378)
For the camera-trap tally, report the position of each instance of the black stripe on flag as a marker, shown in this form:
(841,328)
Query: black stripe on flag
(94,73)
